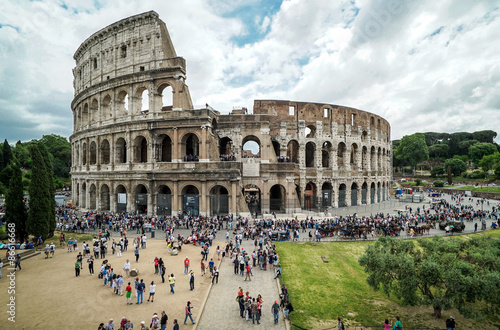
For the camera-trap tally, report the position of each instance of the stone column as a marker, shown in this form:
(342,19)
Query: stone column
(233,197)
(112,198)
(203,198)
(175,147)
(203,148)
(175,194)
(151,199)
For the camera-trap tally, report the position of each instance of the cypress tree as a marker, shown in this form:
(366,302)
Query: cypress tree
(49,170)
(1,160)
(15,208)
(39,204)
(7,153)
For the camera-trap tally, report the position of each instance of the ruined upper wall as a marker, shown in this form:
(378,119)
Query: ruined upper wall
(290,111)
(134,44)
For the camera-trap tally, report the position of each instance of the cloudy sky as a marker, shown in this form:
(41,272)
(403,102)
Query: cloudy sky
(423,65)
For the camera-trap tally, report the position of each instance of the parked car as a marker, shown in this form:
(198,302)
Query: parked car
(455,226)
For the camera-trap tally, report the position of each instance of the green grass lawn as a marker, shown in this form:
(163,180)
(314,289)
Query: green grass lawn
(485,189)
(322,291)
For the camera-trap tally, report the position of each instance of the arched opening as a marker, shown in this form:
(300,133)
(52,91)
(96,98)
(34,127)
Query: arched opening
(373,160)
(219,200)
(105,152)
(292,151)
(105,198)
(140,149)
(77,197)
(310,131)
(382,161)
(342,194)
(340,154)
(226,149)
(252,198)
(121,199)
(106,108)
(92,197)
(190,198)
(310,196)
(167,97)
(310,150)
(164,205)
(94,111)
(93,153)
(166,149)
(354,156)
(141,199)
(354,194)
(364,189)
(378,192)
(144,100)
(383,191)
(277,201)
(325,154)
(122,103)
(84,195)
(364,136)
(372,193)
(84,154)
(364,160)
(121,151)
(326,195)
(85,115)
(251,147)
(191,147)
(276,147)
(379,159)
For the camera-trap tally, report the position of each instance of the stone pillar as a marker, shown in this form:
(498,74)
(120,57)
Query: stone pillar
(234,198)
(359,195)
(112,198)
(175,194)
(203,198)
(175,147)
(151,199)
(348,195)
(203,148)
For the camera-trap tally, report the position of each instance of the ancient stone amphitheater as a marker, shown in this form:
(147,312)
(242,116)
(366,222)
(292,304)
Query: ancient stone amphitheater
(139,144)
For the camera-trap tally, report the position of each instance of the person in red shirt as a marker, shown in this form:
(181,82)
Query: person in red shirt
(186,266)
(248,272)
(128,294)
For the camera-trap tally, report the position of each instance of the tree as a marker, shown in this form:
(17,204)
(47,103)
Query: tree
(479,150)
(489,162)
(39,203)
(15,208)
(50,188)
(439,150)
(442,273)
(7,153)
(456,166)
(463,146)
(437,171)
(412,149)
(484,136)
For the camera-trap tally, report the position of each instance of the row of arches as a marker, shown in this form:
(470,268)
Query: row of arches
(123,102)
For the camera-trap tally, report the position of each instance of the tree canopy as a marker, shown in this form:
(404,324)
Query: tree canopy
(456,166)
(477,151)
(442,273)
(412,149)
(15,208)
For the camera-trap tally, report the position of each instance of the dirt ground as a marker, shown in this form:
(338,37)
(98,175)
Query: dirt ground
(49,296)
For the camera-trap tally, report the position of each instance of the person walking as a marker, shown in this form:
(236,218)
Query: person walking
(186,266)
(191,281)
(163,320)
(248,272)
(18,262)
(188,312)
(140,291)
(254,308)
(176,325)
(163,269)
(275,308)
(91,265)
(340,324)
(128,294)
(77,268)
(171,281)
(136,254)
(152,289)
(216,276)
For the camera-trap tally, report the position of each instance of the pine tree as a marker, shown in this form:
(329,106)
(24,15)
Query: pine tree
(50,189)
(15,208)
(39,204)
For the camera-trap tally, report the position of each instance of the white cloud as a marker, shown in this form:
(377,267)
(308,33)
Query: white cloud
(424,66)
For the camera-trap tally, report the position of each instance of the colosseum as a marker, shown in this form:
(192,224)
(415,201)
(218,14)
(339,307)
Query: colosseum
(139,144)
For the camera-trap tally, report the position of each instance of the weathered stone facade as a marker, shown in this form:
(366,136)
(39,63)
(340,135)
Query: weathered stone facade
(138,144)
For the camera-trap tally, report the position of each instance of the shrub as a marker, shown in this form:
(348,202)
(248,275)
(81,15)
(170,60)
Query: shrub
(437,170)
(438,184)
(418,182)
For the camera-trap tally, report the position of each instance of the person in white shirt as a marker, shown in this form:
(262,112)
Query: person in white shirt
(152,288)
(126,268)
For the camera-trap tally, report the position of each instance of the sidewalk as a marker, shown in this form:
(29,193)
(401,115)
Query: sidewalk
(221,309)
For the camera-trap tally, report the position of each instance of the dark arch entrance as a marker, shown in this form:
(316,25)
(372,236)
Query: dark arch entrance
(219,200)
(191,201)
(141,199)
(326,195)
(354,194)
(277,201)
(342,192)
(164,204)
(121,199)
(310,196)
(364,189)
(105,200)
(166,149)
(372,193)
(252,198)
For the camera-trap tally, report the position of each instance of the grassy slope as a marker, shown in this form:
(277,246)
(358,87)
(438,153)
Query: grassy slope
(322,291)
